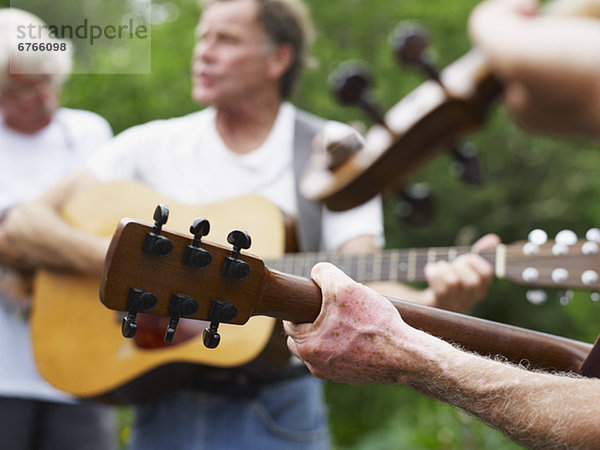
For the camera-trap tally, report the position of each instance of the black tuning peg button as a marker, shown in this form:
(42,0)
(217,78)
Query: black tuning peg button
(138,300)
(410,43)
(415,207)
(181,305)
(233,267)
(351,85)
(193,255)
(154,243)
(220,311)
(467,164)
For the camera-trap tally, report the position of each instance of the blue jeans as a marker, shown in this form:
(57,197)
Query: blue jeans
(288,414)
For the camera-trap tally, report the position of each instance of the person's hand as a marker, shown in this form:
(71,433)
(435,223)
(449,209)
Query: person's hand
(11,254)
(549,64)
(460,284)
(358,337)
(16,286)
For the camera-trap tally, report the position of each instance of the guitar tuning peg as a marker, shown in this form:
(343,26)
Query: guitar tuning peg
(537,237)
(233,267)
(416,205)
(410,43)
(351,85)
(138,300)
(589,277)
(219,311)
(193,255)
(530,248)
(590,248)
(181,305)
(536,296)
(593,234)
(566,237)
(337,142)
(565,296)
(154,243)
(560,249)
(467,165)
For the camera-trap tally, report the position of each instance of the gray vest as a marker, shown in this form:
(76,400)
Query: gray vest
(308,224)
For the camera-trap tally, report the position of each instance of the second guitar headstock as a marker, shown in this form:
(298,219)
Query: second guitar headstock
(434,116)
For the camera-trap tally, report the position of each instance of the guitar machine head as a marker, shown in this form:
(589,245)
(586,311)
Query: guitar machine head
(149,270)
(182,269)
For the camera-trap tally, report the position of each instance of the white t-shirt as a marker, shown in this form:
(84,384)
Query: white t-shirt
(185,159)
(29,164)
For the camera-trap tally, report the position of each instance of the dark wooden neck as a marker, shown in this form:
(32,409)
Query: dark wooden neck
(297,299)
(400,265)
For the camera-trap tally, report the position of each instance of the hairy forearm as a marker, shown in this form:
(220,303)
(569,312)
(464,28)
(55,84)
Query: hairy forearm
(359,337)
(539,410)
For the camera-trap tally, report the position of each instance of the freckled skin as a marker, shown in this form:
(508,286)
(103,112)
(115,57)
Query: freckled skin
(357,338)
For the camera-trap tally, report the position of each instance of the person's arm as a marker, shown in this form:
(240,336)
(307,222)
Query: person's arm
(360,338)
(34,234)
(549,63)
(454,286)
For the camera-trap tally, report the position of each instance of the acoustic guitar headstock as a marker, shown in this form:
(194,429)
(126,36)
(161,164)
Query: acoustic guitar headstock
(435,116)
(154,271)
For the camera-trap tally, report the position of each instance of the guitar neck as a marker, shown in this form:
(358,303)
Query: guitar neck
(400,265)
(303,303)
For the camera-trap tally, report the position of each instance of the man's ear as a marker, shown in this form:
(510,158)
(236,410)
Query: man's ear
(280,60)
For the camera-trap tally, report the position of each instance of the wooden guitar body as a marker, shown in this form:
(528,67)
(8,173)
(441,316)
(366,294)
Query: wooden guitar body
(77,342)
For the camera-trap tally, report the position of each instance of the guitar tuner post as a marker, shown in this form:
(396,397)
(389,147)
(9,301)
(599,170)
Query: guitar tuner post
(155,244)
(193,255)
(416,205)
(200,227)
(161,215)
(220,311)
(233,267)
(351,84)
(410,43)
(138,300)
(467,165)
(180,306)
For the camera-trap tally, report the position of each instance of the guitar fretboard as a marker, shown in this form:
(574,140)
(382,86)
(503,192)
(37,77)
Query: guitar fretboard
(401,265)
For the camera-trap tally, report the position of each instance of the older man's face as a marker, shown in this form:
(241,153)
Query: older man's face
(28,102)
(231,57)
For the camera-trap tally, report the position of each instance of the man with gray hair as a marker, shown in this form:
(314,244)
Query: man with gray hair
(39,144)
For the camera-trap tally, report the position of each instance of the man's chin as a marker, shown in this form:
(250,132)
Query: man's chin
(202,96)
(30,126)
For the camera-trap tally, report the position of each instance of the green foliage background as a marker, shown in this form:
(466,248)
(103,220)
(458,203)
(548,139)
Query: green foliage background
(531,182)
